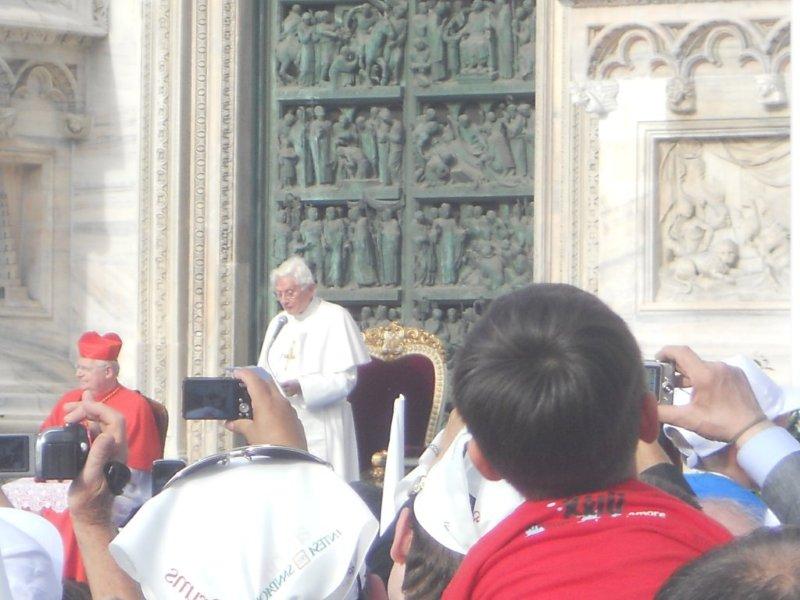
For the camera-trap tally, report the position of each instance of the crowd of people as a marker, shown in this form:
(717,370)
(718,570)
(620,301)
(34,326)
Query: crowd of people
(557,475)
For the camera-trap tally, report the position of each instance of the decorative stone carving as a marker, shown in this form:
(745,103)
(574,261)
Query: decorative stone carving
(77,127)
(596,97)
(8,118)
(723,237)
(683,51)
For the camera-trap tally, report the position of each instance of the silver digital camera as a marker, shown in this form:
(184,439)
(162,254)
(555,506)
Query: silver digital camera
(661,380)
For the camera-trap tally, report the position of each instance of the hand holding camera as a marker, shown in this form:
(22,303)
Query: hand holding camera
(723,406)
(274,419)
(90,496)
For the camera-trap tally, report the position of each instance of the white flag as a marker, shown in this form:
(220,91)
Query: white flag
(395,462)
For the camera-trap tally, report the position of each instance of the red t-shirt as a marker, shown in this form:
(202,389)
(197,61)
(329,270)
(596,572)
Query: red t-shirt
(144,446)
(619,543)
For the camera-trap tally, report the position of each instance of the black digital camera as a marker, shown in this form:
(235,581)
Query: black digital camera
(216,398)
(61,452)
(661,380)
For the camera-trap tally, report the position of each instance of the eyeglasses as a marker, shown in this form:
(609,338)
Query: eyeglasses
(289,294)
(89,368)
(247,452)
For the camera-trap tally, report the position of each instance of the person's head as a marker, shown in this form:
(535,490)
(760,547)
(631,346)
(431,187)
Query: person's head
(551,384)
(330,213)
(293,285)
(727,252)
(97,368)
(312,213)
(761,565)
(452,314)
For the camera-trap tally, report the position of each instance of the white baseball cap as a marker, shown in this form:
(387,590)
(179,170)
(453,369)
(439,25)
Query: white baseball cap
(774,401)
(456,505)
(258,522)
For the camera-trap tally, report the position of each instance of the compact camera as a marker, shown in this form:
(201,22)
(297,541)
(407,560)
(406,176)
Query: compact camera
(215,398)
(661,380)
(61,452)
(17,454)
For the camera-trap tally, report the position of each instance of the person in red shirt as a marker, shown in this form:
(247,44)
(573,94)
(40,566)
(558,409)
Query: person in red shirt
(97,372)
(551,385)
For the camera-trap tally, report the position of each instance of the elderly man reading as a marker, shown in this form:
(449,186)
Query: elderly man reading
(313,348)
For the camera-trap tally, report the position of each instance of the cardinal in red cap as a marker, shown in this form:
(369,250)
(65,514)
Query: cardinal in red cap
(97,370)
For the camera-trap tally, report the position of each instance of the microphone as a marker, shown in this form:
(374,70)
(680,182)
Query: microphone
(279,323)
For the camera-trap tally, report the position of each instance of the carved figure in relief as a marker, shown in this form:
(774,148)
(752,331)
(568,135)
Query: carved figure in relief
(311,231)
(360,19)
(456,330)
(516,127)
(298,136)
(452,34)
(420,63)
(717,263)
(397,42)
(476,49)
(424,131)
(287,50)
(281,236)
(328,40)
(361,249)
(319,133)
(424,255)
(334,237)
(490,265)
(471,135)
(396,141)
(306,37)
(388,244)
(419,22)
(351,163)
(519,273)
(382,137)
(434,323)
(381,315)
(369,145)
(501,160)
(344,69)
(525,46)
(287,164)
(394,315)
(450,239)
(297,247)
(366,319)
(505,39)
(526,111)
(344,131)
(436,14)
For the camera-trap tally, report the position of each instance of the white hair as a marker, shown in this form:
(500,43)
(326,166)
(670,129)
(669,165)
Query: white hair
(294,267)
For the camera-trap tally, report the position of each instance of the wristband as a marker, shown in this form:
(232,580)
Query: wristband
(756,421)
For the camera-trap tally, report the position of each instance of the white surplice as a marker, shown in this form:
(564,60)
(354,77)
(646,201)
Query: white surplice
(321,349)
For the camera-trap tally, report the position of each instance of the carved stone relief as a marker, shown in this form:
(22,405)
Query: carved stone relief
(678,50)
(723,209)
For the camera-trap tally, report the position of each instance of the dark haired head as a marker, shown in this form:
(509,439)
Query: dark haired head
(550,383)
(761,565)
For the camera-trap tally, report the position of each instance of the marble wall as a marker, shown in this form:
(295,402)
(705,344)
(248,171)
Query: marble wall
(676,131)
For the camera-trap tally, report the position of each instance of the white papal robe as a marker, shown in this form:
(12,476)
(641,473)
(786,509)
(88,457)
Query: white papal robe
(321,349)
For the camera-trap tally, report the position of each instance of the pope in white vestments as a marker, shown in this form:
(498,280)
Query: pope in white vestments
(314,357)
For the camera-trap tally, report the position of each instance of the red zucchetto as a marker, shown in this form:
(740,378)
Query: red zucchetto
(101,347)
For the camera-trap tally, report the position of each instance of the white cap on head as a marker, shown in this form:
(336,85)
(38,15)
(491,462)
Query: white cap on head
(32,555)
(774,401)
(277,528)
(456,504)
